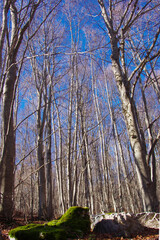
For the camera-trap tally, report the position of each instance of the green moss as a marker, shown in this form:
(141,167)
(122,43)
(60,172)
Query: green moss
(76,220)
(74,223)
(38,232)
(52,223)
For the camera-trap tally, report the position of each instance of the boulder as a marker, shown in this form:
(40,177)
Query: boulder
(109,227)
(75,223)
(149,219)
(119,225)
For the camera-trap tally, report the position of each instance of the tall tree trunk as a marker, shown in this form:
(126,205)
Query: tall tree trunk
(49,189)
(128,106)
(152,159)
(42,213)
(102,140)
(90,181)
(84,160)
(59,160)
(8,154)
(69,139)
(120,150)
(75,170)
(120,197)
(114,204)
(41,119)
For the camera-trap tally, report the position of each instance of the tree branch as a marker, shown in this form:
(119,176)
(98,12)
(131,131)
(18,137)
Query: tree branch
(105,16)
(146,58)
(26,25)
(140,13)
(131,15)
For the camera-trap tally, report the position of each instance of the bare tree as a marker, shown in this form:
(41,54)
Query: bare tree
(117,30)
(17,31)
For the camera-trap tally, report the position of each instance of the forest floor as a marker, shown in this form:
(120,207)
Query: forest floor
(148,234)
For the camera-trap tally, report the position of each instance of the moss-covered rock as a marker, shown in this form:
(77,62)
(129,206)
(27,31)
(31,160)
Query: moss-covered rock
(75,223)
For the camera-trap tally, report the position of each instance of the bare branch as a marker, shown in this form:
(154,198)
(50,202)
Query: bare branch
(44,20)
(105,16)
(146,58)
(125,13)
(26,25)
(29,115)
(140,13)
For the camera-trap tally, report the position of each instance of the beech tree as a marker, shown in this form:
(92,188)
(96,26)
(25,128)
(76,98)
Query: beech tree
(118,27)
(21,16)
(19,25)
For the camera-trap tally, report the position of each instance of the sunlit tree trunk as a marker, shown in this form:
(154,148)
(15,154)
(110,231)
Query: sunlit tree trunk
(40,82)
(89,175)
(69,139)
(59,159)
(75,143)
(84,159)
(102,140)
(113,197)
(119,185)
(128,104)
(152,159)
(120,150)
(49,190)
(40,157)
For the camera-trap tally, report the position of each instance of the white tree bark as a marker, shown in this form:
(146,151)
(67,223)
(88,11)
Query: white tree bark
(128,105)
(102,139)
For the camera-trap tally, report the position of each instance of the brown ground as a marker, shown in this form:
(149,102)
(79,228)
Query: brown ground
(148,234)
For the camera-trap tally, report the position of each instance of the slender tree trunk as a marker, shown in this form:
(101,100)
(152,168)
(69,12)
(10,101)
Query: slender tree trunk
(48,159)
(102,139)
(90,181)
(41,119)
(84,160)
(32,190)
(114,204)
(75,170)
(42,213)
(119,148)
(69,144)
(120,197)
(59,166)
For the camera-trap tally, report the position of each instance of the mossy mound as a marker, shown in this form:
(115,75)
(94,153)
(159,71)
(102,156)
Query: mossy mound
(75,223)
(36,231)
